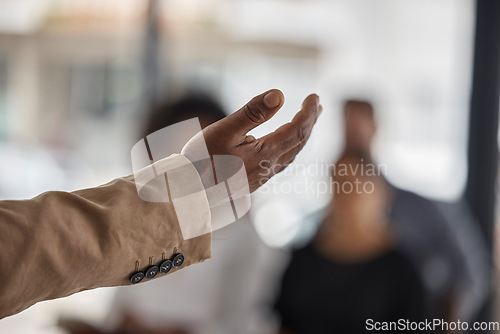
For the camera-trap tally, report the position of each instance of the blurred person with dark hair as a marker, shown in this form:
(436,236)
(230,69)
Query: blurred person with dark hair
(445,254)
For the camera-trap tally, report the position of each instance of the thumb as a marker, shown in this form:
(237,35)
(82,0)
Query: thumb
(259,110)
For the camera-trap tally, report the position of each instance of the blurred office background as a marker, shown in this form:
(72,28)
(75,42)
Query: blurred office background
(77,79)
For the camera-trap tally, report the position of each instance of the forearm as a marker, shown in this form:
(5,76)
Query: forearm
(60,243)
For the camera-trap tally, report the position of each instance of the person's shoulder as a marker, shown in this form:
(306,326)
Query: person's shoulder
(408,195)
(407,203)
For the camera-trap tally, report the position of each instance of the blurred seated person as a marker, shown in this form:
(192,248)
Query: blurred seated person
(447,253)
(352,270)
(441,239)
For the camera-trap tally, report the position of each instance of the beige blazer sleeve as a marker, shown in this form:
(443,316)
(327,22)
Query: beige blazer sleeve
(59,243)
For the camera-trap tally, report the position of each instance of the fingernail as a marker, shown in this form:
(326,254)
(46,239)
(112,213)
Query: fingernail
(272,99)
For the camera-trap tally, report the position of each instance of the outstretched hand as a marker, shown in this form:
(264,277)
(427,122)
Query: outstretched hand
(278,149)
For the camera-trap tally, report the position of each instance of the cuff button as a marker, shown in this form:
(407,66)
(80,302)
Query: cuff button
(178,260)
(152,272)
(165,266)
(136,278)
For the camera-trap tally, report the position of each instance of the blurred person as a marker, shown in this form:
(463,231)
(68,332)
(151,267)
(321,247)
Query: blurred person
(60,243)
(439,239)
(352,271)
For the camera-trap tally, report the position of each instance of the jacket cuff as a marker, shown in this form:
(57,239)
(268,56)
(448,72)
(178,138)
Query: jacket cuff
(174,185)
(175,179)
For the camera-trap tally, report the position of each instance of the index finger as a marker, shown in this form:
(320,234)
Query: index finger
(256,112)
